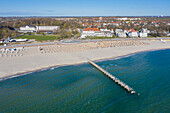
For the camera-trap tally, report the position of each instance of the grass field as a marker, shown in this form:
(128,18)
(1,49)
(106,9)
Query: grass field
(38,38)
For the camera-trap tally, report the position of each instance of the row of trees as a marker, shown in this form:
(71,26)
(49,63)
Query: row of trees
(42,21)
(64,25)
(5,32)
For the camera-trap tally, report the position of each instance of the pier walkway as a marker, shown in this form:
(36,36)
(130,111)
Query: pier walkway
(116,80)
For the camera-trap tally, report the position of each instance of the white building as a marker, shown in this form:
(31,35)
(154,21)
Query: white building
(108,34)
(168,24)
(31,28)
(121,34)
(95,32)
(107,30)
(148,31)
(118,30)
(47,28)
(125,18)
(122,18)
(90,31)
(112,31)
(27,28)
(132,33)
(143,33)
(144,30)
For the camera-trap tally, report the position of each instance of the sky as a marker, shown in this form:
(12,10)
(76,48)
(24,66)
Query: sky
(84,7)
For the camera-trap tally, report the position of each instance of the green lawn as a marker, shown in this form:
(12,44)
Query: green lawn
(38,38)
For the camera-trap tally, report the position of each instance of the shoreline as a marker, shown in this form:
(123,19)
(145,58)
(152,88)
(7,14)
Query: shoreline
(6,77)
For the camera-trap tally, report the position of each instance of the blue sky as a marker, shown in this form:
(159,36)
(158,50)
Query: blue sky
(84,7)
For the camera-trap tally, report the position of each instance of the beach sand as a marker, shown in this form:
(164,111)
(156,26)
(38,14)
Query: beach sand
(35,61)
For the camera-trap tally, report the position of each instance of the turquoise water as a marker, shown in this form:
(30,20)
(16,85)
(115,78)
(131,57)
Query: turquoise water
(83,89)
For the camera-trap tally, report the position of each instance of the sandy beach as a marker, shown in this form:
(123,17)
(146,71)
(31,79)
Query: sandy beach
(32,59)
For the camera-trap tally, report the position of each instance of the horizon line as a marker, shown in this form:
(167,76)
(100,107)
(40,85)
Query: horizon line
(88,16)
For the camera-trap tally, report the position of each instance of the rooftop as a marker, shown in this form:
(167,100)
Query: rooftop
(91,29)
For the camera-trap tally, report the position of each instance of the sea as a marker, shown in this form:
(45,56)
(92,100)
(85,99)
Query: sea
(83,89)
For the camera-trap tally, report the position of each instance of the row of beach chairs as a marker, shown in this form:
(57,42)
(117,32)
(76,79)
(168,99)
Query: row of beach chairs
(88,46)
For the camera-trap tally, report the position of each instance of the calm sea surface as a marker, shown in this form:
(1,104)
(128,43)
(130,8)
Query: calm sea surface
(83,89)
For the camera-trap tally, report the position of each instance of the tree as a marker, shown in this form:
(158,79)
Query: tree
(78,35)
(65,25)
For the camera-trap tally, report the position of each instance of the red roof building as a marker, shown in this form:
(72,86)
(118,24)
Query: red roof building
(132,30)
(91,29)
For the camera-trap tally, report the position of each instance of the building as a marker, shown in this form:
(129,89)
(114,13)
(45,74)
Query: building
(66,19)
(125,18)
(90,32)
(118,30)
(47,28)
(132,33)
(168,24)
(122,19)
(100,18)
(27,28)
(31,28)
(143,33)
(107,30)
(121,34)
(108,34)
(95,32)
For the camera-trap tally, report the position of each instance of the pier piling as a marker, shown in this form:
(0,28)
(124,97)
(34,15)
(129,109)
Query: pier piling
(116,80)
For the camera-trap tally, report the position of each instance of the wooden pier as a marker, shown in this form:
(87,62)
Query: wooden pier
(116,80)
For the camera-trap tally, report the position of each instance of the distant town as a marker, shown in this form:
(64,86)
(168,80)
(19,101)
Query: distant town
(13,29)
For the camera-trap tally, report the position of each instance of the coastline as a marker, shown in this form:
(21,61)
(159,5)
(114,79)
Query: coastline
(83,60)
(130,54)
(98,60)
